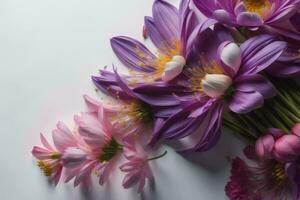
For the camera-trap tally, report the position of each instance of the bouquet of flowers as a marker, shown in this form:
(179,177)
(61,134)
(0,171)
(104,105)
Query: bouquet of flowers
(218,64)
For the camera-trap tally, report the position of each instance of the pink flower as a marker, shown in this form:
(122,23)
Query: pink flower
(50,157)
(99,149)
(263,180)
(121,117)
(137,167)
(279,145)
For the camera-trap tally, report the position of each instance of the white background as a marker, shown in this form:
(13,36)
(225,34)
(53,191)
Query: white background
(48,50)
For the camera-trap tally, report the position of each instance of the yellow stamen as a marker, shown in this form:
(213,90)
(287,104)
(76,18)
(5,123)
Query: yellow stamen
(260,7)
(158,64)
(197,74)
(278,173)
(47,169)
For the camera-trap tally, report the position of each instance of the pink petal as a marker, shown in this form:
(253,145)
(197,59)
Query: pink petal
(130,180)
(62,137)
(73,157)
(264,146)
(45,142)
(41,153)
(92,104)
(296,129)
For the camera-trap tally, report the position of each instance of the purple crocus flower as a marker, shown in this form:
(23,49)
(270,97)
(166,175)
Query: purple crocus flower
(169,29)
(225,75)
(276,17)
(288,64)
(248,13)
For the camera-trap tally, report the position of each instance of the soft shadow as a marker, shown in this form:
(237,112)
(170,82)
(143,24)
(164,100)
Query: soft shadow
(219,156)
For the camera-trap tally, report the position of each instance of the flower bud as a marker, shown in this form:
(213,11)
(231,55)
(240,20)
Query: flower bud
(173,68)
(215,85)
(287,148)
(264,146)
(231,56)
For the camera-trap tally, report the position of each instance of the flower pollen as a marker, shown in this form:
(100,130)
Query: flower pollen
(260,7)
(157,65)
(47,168)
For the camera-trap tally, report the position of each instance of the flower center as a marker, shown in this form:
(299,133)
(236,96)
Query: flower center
(209,80)
(47,168)
(163,56)
(139,111)
(260,7)
(109,150)
(278,174)
(55,156)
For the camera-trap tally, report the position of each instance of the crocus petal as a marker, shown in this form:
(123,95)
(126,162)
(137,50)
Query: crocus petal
(231,56)
(256,82)
(133,54)
(264,146)
(205,6)
(189,23)
(207,134)
(249,19)
(295,21)
(292,171)
(202,33)
(107,83)
(166,20)
(244,102)
(260,52)
(156,37)
(222,16)
(172,70)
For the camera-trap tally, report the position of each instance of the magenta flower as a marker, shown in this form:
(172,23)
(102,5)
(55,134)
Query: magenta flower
(248,13)
(278,145)
(264,179)
(50,157)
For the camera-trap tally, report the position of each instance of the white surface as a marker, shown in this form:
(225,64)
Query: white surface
(48,50)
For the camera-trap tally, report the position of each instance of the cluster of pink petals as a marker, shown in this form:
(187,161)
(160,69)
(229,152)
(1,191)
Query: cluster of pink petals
(94,147)
(284,147)
(137,168)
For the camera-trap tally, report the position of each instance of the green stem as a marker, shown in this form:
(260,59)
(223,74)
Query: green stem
(159,156)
